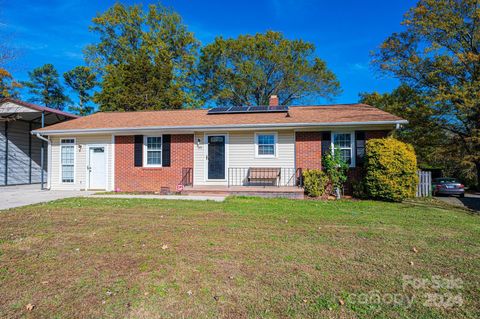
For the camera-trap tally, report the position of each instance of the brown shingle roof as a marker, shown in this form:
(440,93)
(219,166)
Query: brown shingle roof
(342,113)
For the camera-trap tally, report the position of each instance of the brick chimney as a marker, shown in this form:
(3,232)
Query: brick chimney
(273,100)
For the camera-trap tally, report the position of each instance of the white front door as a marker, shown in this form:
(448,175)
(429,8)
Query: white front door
(96,167)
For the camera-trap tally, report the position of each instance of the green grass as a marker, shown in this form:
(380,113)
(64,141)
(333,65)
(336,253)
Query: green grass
(243,258)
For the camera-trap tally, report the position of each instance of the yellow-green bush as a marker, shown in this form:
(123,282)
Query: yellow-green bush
(390,170)
(314,182)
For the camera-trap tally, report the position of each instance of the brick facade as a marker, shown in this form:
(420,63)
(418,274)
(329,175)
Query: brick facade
(308,150)
(376,134)
(308,153)
(129,178)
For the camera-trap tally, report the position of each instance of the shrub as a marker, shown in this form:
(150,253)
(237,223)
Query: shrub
(390,170)
(336,170)
(314,181)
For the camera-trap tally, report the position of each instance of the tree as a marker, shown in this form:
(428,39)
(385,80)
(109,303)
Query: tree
(146,59)
(81,80)
(249,69)
(422,132)
(45,88)
(8,86)
(438,54)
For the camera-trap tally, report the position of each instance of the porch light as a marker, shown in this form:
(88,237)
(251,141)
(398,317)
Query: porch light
(198,142)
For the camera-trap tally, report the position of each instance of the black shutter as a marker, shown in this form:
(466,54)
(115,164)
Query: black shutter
(326,142)
(359,147)
(166,150)
(138,151)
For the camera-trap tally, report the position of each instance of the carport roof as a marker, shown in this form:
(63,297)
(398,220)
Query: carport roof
(19,110)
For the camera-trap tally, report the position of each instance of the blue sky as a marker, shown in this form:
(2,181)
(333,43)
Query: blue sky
(344,32)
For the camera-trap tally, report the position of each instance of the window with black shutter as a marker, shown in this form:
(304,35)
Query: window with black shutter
(166,150)
(138,151)
(359,147)
(326,142)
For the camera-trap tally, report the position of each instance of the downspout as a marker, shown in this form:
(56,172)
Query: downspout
(43,154)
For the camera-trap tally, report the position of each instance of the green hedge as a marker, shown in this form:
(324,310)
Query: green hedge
(314,182)
(390,170)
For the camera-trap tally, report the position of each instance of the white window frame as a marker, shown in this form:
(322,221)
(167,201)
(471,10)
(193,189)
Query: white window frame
(352,145)
(145,152)
(275,143)
(62,144)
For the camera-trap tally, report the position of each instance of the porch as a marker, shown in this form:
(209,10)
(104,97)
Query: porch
(263,182)
(292,192)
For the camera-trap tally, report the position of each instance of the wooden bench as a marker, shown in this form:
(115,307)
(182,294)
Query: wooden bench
(264,174)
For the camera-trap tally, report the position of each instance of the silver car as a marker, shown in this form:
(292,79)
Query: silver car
(447,186)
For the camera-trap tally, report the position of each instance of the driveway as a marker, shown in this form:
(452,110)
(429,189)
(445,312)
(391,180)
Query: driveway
(16,196)
(470,201)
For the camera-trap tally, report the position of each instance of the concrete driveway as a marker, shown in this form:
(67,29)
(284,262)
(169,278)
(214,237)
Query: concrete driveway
(16,196)
(470,201)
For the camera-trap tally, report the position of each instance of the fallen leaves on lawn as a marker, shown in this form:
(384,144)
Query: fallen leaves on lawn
(165,247)
(30,307)
(414,249)
(341,302)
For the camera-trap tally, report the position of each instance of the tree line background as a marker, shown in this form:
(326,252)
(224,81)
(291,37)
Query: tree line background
(146,59)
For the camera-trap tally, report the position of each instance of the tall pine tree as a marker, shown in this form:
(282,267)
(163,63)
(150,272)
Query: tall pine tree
(45,88)
(81,80)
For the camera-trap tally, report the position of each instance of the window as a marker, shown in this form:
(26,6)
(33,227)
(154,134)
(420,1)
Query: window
(153,151)
(266,145)
(343,142)
(67,159)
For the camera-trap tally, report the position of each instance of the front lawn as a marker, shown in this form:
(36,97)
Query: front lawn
(245,257)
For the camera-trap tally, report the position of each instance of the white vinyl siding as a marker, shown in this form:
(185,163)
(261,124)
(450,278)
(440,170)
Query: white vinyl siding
(241,152)
(80,162)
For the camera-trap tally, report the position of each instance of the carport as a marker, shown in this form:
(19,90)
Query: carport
(24,158)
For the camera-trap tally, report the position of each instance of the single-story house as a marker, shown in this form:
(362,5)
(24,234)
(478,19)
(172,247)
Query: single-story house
(20,152)
(223,148)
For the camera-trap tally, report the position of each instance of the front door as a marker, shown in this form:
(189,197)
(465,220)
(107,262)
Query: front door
(96,168)
(216,157)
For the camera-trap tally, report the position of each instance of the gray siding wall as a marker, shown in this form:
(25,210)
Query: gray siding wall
(2,153)
(20,164)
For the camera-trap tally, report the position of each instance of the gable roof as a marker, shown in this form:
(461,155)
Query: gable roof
(340,114)
(16,109)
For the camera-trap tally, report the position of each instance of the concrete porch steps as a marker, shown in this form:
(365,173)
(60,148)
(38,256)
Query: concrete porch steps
(260,191)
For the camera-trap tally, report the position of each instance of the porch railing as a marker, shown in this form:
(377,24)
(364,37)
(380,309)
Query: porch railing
(240,176)
(187,176)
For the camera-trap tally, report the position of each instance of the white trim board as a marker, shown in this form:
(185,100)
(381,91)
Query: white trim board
(189,129)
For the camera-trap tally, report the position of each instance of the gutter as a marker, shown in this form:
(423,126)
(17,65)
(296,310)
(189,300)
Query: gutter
(216,128)
(41,137)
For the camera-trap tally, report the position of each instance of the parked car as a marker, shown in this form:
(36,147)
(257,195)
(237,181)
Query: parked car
(447,186)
